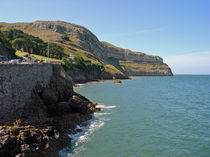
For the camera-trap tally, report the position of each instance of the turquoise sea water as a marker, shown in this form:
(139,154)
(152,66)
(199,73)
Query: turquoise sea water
(148,117)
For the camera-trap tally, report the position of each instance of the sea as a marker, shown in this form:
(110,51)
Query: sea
(146,117)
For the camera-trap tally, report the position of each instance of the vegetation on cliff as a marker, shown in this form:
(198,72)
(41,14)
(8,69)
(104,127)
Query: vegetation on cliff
(82,65)
(28,43)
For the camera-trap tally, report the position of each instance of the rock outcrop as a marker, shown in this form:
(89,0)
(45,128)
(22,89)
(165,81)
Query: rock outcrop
(20,84)
(38,109)
(20,139)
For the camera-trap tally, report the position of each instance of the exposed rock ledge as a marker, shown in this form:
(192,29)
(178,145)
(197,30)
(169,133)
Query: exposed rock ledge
(38,108)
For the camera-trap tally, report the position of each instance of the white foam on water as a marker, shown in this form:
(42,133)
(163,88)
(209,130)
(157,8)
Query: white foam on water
(98,121)
(105,107)
(84,136)
(97,114)
(93,127)
(78,85)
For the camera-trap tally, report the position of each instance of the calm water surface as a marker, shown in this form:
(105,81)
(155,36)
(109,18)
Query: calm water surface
(147,117)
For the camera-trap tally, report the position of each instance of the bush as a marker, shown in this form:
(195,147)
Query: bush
(66,63)
(65,37)
(5,45)
(82,65)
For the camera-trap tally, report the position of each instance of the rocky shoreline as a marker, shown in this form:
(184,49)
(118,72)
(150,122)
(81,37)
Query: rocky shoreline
(79,77)
(34,138)
(38,123)
(39,109)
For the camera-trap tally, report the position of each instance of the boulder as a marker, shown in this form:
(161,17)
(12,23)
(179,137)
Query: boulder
(8,145)
(80,104)
(63,107)
(49,96)
(59,108)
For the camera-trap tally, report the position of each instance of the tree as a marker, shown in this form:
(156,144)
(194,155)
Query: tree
(6,46)
(66,64)
(28,43)
(19,43)
(65,37)
(56,51)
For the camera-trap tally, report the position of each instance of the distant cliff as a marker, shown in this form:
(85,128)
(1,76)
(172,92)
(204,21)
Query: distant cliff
(80,41)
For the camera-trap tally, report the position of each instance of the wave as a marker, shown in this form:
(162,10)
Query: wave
(106,107)
(101,114)
(82,137)
(85,134)
(78,85)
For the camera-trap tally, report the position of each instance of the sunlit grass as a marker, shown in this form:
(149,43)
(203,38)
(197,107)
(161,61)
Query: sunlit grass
(112,70)
(134,66)
(22,54)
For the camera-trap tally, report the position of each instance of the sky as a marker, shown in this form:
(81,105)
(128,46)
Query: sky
(177,30)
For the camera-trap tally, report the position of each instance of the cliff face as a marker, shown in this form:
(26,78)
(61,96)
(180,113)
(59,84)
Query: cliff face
(137,63)
(85,43)
(19,83)
(38,109)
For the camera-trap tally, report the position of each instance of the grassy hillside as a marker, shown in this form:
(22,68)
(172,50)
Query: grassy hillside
(39,57)
(109,44)
(133,66)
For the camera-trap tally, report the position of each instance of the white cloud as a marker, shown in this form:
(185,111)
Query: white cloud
(193,63)
(144,31)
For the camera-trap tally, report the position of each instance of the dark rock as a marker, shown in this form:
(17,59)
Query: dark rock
(63,107)
(82,105)
(3,132)
(79,130)
(59,108)
(80,108)
(8,145)
(45,140)
(15,130)
(62,84)
(34,110)
(4,153)
(49,96)
(35,137)
(52,110)
(25,136)
(25,148)
(50,132)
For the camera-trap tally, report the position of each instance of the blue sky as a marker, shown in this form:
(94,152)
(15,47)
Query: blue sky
(173,29)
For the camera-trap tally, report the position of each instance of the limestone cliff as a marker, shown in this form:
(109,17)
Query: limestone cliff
(85,43)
